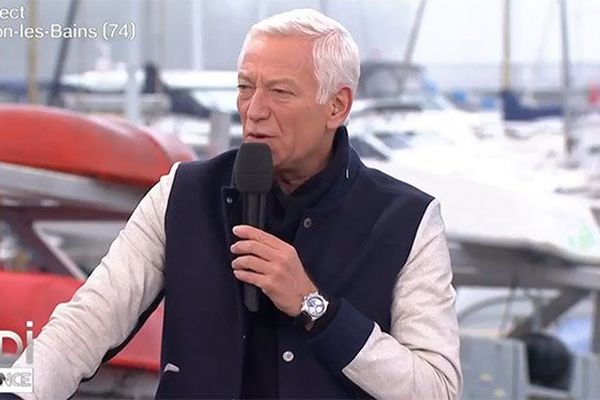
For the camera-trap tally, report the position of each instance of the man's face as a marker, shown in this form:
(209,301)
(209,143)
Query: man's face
(277,102)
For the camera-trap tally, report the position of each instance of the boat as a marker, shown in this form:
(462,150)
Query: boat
(68,183)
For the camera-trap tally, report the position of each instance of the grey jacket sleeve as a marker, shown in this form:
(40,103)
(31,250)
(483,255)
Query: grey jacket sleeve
(419,358)
(104,311)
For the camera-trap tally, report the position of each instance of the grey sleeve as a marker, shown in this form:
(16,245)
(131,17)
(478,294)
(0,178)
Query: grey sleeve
(419,359)
(104,311)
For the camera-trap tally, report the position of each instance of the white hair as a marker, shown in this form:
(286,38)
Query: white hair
(335,53)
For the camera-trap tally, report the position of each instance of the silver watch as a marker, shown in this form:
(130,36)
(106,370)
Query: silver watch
(314,306)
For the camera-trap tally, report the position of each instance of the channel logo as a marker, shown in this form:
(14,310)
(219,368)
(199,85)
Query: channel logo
(16,380)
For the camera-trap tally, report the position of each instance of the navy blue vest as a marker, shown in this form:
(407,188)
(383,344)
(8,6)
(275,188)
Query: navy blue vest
(359,239)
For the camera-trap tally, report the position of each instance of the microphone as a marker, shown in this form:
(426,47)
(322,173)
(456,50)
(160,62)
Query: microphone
(253,178)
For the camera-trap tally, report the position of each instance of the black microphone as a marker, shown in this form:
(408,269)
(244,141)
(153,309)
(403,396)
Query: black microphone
(253,178)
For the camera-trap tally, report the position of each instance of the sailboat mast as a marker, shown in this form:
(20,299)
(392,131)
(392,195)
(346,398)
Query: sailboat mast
(412,42)
(414,33)
(32,56)
(566,84)
(506,83)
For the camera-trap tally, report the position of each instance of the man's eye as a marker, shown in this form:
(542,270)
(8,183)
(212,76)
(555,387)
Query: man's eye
(243,87)
(282,91)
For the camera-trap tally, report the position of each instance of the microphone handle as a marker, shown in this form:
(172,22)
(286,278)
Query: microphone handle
(254,207)
(253,213)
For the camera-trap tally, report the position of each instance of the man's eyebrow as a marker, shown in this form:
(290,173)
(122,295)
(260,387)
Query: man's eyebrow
(276,81)
(285,81)
(242,76)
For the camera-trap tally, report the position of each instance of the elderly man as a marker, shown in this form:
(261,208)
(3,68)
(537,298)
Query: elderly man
(367,249)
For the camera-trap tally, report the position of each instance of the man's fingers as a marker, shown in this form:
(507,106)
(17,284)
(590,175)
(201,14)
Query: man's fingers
(252,233)
(256,248)
(261,281)
(252,263)
(248,277)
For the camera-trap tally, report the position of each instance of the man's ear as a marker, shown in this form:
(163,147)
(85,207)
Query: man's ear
(340,106)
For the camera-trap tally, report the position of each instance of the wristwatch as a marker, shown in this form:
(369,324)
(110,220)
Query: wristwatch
(314,306)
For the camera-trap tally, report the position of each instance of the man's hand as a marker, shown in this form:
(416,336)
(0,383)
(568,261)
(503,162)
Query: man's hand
(272,265)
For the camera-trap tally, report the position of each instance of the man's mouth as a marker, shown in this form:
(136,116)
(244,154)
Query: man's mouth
(258,136)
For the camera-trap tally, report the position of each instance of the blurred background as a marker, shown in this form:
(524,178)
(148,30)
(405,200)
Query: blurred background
(492,106)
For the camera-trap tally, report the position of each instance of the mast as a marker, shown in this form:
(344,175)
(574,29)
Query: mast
(412,42)
(414,33)
(132,88)
(323,7)
(566,85)
(55,88)
(198,62)
(32,56)
(505,83)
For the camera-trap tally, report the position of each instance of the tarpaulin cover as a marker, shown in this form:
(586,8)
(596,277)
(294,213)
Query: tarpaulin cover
(106,148)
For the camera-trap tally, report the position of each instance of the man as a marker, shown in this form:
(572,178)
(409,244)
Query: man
(363,255)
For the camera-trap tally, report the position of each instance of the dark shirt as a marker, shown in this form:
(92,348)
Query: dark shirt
(260,376)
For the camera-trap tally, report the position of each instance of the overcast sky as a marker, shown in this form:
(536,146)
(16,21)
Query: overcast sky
(460,40)
(470,31)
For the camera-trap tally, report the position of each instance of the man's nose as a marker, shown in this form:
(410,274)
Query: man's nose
(259,106)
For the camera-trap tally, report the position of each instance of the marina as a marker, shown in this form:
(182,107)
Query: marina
(512,155)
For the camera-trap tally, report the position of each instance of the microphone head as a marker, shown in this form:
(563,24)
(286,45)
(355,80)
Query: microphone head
(253,168)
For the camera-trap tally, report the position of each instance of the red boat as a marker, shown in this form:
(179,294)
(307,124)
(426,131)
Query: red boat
(61,166)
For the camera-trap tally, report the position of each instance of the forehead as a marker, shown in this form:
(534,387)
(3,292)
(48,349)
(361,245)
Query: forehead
(277,56)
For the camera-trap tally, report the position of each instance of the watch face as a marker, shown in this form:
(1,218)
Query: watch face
(315,306)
